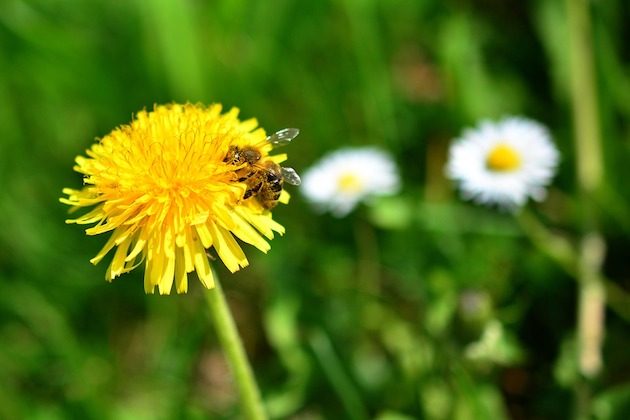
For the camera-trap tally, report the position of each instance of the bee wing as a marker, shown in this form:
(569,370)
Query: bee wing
(290,176)
(283,137)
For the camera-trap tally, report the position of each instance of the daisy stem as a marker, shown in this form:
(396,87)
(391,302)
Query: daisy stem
(368,268)
(235,353)
(588,148)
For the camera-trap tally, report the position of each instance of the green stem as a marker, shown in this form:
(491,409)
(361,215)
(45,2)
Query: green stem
(235,353)
(589,175)
(561,251)
(584,97)
(367,259)
(368,274)
(340,381)
(555,246)
(591,248)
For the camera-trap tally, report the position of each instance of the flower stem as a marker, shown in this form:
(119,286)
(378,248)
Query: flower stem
(584,97)
(367,261)
(563,253)
(588,149)
(339,379)
(235,353)
(558,248)
(589,175)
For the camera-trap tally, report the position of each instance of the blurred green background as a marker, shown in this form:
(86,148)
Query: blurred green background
(419,306)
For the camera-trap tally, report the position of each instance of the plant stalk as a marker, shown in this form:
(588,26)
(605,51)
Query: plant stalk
(563,253)
(588,147)
(235,353)
(589,166)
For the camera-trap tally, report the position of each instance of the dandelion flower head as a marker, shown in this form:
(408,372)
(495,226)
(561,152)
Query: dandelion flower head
(503,163)
(339,181)
(163,189)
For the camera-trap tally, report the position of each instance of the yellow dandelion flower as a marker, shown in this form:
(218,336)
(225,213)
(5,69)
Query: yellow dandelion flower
(167,189)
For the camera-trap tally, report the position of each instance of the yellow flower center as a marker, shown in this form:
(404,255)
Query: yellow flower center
(349,183)
(503,158)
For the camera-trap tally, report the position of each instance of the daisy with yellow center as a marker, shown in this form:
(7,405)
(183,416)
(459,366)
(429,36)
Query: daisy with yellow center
(339,181)
(503,163)
(349,183)
(164,190)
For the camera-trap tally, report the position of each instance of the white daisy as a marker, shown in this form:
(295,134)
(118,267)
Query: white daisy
(503,162)
(339,181)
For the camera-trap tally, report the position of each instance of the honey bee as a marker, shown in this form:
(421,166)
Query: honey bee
(264,178)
